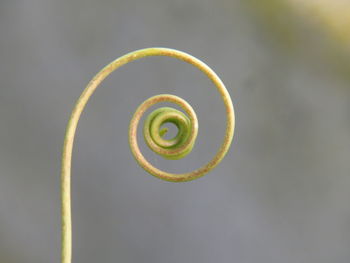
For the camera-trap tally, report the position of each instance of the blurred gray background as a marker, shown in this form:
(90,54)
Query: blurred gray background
(280,195)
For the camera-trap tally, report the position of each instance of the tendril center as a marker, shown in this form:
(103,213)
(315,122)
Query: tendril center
(177,147)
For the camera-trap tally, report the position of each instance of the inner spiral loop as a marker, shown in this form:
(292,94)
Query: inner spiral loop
(168,148)
(177,147)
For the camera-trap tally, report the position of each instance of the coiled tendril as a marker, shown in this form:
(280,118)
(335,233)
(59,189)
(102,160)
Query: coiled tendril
(174,148)
(182,144)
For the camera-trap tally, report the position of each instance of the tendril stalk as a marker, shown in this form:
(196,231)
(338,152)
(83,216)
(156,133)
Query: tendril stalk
(174,148)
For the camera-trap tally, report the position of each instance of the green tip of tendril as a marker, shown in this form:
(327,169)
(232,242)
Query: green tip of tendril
(163,131)
(177,147)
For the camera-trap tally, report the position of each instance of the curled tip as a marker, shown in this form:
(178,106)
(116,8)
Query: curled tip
(182,144)
(186,122)
(163,131)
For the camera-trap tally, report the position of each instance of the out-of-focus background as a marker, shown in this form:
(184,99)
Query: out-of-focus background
(280,195)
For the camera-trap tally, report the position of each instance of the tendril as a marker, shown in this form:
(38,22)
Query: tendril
(182,144)
(154,135)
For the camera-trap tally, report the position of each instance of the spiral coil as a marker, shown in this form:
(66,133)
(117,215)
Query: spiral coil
(175,148)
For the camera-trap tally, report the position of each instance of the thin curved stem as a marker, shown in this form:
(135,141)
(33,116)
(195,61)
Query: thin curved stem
(173,149)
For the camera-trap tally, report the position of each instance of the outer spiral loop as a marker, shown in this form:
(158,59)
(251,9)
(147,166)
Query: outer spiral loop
(174,148)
